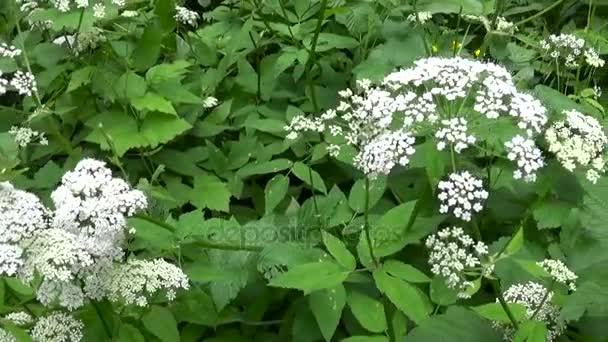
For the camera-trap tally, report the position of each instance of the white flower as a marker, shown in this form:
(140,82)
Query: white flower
(569,49)
(527,156)
(24,83)
(21,214)
(82,3)
(210,102)
(593,59)
(300,124)
(19,318)
(537,300)
(23,136)
(503,25)
(65,40)
(138,280)
(5,336)
(65,294)
(578,141)
(186,16)
(461,194)
(11,259)
(420,17)
(119,3)
(454,131)
(380,155)
(453,255)
(99,10)
(530,113)
(560,272)
(129,14)
(57,327)
(9,51)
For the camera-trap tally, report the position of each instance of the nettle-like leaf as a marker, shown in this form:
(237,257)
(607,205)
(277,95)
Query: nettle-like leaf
(311,277)
(326,305)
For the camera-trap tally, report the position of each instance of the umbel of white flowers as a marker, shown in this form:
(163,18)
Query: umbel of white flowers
(77,247)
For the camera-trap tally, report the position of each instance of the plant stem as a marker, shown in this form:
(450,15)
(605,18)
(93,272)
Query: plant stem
(103,321)
(366,226)
(503,303)
(547,9)
(542,302)
(312,56)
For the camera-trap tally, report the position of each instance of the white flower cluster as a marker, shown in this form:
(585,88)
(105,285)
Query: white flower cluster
(454,131)
(461,194)
(98,7)
(503,25)
(578,141)
(186,16)
(537,301)
(76,247)
(57,327)
(443,96)
(559,272)
(528,157)
(5,336)
(453,255)
(210,102)
(420,17)
(23,136)
(22,82)
(19,318)
(136,281)
(571,50)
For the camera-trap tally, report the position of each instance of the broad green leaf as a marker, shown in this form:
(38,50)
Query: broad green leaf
(192,224)
(456,325)
(551,214)
(153,102)
(328,41)
(451,6)
(127,332)
(516,242)
(210,192)
(311,277)
(160,322)
(130,86)
(405,272)
(265,125)
(285,60)
(80,77)
(377,338)
(165,10)
(153,235)
(555,100)
(167,71)
(147,48)
(195,306)
(356,197)
(368,311)
(531,331)
(339,251)
(441,294)
(159,129)
(389,232)
(309,176)
(495,312)
(275,192)
(326,305)
(260,168)
(18,286)
(406,297)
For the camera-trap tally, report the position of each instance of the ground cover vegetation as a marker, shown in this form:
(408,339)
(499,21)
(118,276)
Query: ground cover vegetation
(303,170)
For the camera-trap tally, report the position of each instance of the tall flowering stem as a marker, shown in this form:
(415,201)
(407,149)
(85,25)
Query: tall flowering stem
(366,226)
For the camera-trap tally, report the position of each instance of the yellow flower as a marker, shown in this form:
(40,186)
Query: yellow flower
(456,44)
(477,53)
(434,48)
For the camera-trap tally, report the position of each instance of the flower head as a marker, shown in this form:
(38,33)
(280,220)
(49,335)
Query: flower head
(461,194)
(560,272)
(57,327)
(527,156)
(19,318)
(186,16)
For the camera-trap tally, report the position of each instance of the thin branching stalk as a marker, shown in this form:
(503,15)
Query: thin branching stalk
(366,226)
(545,10)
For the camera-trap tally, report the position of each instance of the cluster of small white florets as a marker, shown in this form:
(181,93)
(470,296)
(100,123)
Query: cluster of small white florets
(461,194)
(186,16)
(19,318)
(22,82)
(570,49)
(57,327)
(528,157)
(559,272)
(136,281)
(210,102)
(537,301)
(454,131)
(413,101)
(98,7)
(419,17)
(578,141)
(5,336)
(76,247)
(24,136)
(454,255)
(502,24)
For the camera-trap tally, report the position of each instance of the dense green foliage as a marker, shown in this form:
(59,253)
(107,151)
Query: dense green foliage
(280,240)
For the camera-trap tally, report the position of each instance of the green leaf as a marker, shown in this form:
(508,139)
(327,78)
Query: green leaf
(160,322)
(274,192)
(516,242)
(551,214)
(555,100)
(195,306)
(154,235)
(326,305)
(147,48)
(531,331)
(405,272)
(165,10)
(310,277)
(210,192)
(153,102)
(167,71)
(305,173)
(368,311)
(130,86)
(328,41)
(495,312)
(260,168)
(159,129)
(356,197)
(441,294)
(366,339)
(19,286)
(406,297)
(80,77)
(456,325)
(285,60)
(339,251)
(127,332)
(389,232)
(451,6)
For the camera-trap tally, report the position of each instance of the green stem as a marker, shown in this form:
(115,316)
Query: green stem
(540,305)
(312,56)
(503,303)
(103,321)
(201,243)
(366,226)
(547,9)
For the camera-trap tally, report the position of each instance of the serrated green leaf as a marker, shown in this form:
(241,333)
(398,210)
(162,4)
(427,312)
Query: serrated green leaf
(153,102)
(130,86)
(339,251)
(127,332)
(147,48)
(311,277)
(260,168)
(516,242)
(495,312)
(326,305)
(275,192)
(160,322)
(309,176)
(456,325)
(531,331)
(210,192)
(551,214)
(405,296)
(405,272)
(356,197)
(368,311)
(80,77)
(166,72)
(153,235)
